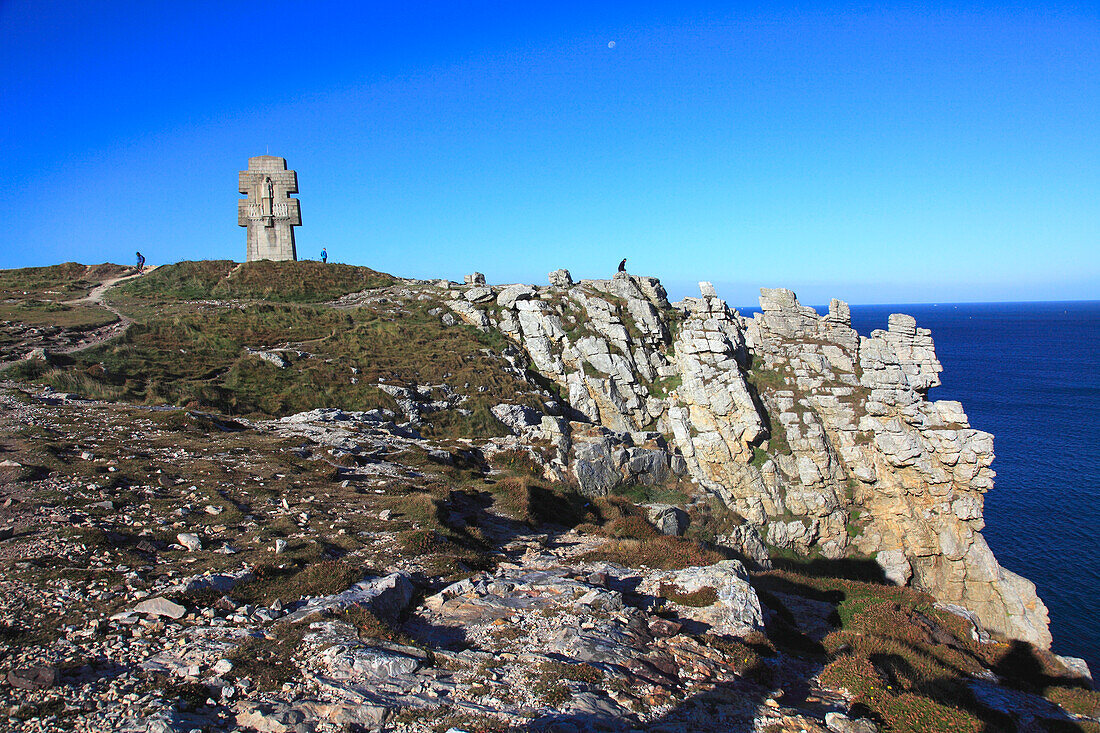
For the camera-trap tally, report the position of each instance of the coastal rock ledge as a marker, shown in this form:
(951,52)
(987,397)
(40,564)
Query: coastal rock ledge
(823,442)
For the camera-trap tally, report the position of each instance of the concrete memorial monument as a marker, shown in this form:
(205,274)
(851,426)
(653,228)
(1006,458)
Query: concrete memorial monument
(269,212)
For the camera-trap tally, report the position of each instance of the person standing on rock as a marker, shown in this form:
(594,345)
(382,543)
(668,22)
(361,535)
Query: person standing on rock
(622,265)
(140,262)
(324,255)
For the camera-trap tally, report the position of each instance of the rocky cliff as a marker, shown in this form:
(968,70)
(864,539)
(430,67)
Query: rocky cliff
(295,497)
(822,441)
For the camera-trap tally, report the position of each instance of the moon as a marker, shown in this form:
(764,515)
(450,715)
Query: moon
(611,44)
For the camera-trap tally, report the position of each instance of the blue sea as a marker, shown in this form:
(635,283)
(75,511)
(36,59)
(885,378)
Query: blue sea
(1028,373)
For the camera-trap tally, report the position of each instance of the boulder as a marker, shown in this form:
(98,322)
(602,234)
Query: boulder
(276,718)
(33,678)
(737,609)
(795,535)
(478,295)
(385,597)
(508,297)
(1077,667)
(895,566)
(469,314)
(745,539)
(596,463)
(160,607)
(520,419)
(475,278)
(561,279)
(648,466)
(189,540)
(220,582)
(668,519)
(841,723)
(274,358)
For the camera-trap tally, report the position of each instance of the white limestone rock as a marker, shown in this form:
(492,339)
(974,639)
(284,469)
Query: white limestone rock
(160,607)
(190,541)
(478,295)
(386,597)
(668,519)
(745,539)
(509,295)
(737,610)
(561,279)
(895,566)
(469,314)
(520,419)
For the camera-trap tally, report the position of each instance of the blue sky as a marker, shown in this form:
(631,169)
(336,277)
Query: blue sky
(874,153)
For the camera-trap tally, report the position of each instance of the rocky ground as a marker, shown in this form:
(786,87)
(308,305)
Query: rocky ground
(174,570)
(457,506)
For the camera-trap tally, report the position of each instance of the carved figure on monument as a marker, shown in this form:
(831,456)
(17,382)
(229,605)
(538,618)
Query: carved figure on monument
(269,213)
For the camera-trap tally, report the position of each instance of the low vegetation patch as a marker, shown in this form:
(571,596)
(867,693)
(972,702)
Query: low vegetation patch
(664,386)
(538,502)
(675,493)
(550,677)
(290,584)
(705,596)
(47,313)
(665,552)
(56,283)
(1077,700)
(908,662)
(579,672)
(199,357)
(711,520)
(517,461)
(268,661)
(747,655)
(283,282)
(371,626)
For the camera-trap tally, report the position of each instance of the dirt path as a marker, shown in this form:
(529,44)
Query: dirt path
(96,294)
(71,340)
(96,297)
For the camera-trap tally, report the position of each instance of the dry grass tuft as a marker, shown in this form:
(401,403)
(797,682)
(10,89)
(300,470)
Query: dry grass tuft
(668,553)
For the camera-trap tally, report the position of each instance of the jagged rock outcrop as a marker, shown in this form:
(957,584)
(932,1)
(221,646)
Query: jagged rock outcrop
(822,440)
(915,468)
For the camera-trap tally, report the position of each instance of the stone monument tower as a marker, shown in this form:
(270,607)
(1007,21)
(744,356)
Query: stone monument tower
(269,212)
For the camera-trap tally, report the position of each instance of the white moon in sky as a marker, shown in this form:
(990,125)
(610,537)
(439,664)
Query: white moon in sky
(611,44)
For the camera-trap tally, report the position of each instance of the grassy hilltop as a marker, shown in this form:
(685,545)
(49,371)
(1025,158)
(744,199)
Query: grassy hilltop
(197,325)
(278,282)
(97,494)
(51,296)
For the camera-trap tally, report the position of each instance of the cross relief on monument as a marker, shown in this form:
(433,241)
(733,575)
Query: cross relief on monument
(269,212)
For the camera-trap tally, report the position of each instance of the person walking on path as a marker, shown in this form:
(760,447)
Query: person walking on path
(324,255)
(140,262)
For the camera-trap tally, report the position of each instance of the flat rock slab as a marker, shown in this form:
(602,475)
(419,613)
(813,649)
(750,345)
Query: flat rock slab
(386,597)
(273,719)
(160,607)
(33,678)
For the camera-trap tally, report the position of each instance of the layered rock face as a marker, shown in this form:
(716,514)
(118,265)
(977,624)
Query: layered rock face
(822,440)
(856,412)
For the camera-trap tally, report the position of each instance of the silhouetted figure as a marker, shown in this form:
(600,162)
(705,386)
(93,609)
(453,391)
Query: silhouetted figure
(622,265)
(324,255)
(140,262)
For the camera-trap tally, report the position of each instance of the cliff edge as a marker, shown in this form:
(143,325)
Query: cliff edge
(823,441)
